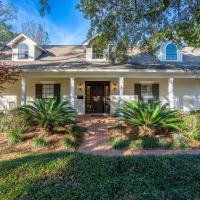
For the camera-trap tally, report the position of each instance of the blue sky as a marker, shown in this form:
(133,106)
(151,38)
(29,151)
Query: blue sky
(65,24)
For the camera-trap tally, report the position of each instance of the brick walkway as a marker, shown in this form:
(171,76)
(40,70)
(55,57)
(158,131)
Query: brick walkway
(96,140)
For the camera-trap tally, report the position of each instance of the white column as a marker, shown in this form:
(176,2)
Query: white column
(171,92)
(121,89)
(23,91)
(72,88)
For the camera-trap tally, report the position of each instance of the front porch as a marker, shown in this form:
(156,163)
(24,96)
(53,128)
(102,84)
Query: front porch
(95,94)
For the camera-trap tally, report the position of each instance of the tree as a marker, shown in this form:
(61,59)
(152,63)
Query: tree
(7,16)
(8,73)
(36,32)
(143,23)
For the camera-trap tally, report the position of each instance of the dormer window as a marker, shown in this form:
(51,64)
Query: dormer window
(97,53)
(171,52)
(23,51)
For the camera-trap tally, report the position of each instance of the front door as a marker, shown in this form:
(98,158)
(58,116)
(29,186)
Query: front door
(97,96)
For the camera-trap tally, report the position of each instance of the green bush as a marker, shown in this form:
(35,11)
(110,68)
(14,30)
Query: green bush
(120,143)
(13,121)
(179,141)
(68,143)
(14,137)
(150,115)
(39,142)
(191,127)
(49,113)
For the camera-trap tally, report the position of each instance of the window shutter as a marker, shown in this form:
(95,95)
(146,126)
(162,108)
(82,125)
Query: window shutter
(57,92)
(38,91)
(138,90)
(155,92)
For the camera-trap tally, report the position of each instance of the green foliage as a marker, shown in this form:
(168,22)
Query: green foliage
(78,177)
(151,115)
(7,17)
(76,133)
(144,23)
(140,143)
(68,143)
(120,143)
(49,114)
(15,137)
(39,142)
(179,141)
(13,121)
(191,128)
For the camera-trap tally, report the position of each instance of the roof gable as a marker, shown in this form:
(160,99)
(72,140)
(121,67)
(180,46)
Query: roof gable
(19,37)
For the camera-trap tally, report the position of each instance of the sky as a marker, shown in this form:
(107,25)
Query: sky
(65,24)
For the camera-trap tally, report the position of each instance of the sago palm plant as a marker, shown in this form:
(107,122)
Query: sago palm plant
(151,115)
(49,114)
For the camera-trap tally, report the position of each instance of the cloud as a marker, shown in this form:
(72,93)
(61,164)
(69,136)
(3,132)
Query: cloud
(59,34)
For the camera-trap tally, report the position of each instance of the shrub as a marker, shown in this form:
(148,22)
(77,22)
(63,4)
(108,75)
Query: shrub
(140,143)
(39,142)
(14,137)
(13,121)
(191,128)
(179,141)
(120,143)
(68,143)
(49,113)
(148,116)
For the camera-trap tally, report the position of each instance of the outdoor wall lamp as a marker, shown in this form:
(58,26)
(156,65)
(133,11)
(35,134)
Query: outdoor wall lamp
(114,86)
(80,86)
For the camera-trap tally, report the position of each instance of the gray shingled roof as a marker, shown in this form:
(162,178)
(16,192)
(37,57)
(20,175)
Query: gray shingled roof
(66,57)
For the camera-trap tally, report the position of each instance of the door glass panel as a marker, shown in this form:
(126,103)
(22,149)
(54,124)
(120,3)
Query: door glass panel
(97,97)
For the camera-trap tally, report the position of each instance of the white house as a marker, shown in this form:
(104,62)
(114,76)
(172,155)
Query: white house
(93,85)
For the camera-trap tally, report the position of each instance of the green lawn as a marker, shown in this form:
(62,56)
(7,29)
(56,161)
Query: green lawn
(76,176)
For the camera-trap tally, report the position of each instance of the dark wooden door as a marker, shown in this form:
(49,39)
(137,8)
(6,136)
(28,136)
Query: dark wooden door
(97,97)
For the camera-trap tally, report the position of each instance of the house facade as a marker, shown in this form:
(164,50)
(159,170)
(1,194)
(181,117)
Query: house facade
(81,75)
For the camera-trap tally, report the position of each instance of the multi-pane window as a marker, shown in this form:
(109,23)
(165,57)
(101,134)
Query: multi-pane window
(23,51)
(146,92)
(171,52)
(97,53)
(48,91)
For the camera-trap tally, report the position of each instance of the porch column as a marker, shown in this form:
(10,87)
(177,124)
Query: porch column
(72,85)
(171,92)
(23,91)
(121,89)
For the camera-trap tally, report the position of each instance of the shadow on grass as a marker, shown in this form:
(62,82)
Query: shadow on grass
(149,143)
(74,137)
(77,176)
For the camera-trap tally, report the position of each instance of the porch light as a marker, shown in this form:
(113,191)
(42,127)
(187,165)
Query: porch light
(80,87)
(114,86)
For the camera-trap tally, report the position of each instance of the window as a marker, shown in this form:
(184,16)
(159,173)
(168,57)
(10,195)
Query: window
(48,91)
(147,92)
(97,53)
(22,51)
(171,52)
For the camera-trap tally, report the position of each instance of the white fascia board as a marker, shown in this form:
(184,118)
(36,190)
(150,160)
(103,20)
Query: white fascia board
(11,43)
(113,70)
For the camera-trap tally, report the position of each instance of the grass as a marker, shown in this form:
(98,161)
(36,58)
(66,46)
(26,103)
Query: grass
(68,143)
(39,142)
(178,142)
(14,137)
(74,176)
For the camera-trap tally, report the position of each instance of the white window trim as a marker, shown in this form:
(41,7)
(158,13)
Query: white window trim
(22,59)
(98,59)
(161,54)
(43,89)
(147,97)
